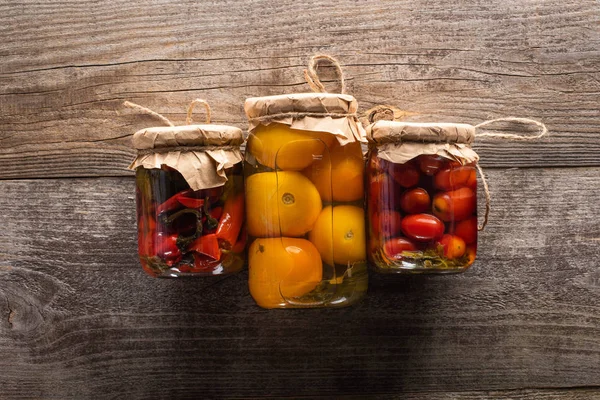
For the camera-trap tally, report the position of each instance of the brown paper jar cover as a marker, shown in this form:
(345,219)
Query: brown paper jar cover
(201,153)
(317,112)
(399,142)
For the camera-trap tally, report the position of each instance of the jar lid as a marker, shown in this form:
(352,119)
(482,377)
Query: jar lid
(318,112)
(187,135)
(383,131)
(306,103)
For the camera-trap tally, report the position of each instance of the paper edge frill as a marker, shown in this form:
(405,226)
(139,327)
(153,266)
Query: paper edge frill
(399,141)
(400,153)
(203,169)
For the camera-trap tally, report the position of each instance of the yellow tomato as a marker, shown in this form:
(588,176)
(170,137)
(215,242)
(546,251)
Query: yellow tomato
(338,175)
(283,203)
(282,268)
(339,235)
(277,145)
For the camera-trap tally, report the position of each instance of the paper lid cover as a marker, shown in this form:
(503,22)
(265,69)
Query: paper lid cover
(382,132)
(187,135)
(325,103)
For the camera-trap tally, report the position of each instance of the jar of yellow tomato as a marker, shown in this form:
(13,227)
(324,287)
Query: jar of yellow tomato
(304,201)
(421,197)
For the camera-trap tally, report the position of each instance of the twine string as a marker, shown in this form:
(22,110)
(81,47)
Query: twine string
(312,77)
(542,129)
(160,150)
(488,198)
(188,119)
(274,117)
(148,111)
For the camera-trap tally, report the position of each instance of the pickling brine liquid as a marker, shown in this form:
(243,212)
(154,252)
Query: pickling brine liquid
(422,215)
(305,219)
(182,232)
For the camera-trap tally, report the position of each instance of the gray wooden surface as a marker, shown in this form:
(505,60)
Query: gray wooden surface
(78,317)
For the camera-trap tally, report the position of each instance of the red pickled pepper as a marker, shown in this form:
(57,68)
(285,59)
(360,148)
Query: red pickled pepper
(146,236)
(207,245)
(190,202)
(240,245)
(203,262)
(173,202)
(216,212)
(231,221)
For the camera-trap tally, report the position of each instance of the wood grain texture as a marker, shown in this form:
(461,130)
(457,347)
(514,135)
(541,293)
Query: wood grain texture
(79,319)
(66,67)
(556,394)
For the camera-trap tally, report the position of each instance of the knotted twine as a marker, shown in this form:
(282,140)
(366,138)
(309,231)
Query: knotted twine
(385,112)
(319,111)
(312,77)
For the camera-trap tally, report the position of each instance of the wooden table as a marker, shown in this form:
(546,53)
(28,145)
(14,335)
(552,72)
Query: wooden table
(79,318)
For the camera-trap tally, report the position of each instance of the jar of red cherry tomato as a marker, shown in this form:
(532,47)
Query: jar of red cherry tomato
(421,197)
(190,200)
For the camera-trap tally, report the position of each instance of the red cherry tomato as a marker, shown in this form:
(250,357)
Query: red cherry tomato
(453,246)
(455,205)
(415,201)
(393,248)
(382,194)
(454,178)
(385,223)
(375,189)
(405,175)
(422,227)
(430,164)
(467,230)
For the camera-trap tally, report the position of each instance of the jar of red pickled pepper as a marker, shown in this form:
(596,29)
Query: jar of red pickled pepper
(190,199)
(421,197)
(304,172)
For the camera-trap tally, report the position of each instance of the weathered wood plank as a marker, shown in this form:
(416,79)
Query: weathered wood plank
(60,109)
(554,394)
(78,317)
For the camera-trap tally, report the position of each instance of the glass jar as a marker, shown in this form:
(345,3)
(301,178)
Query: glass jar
(421,197)
(304,173)
(190,200)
